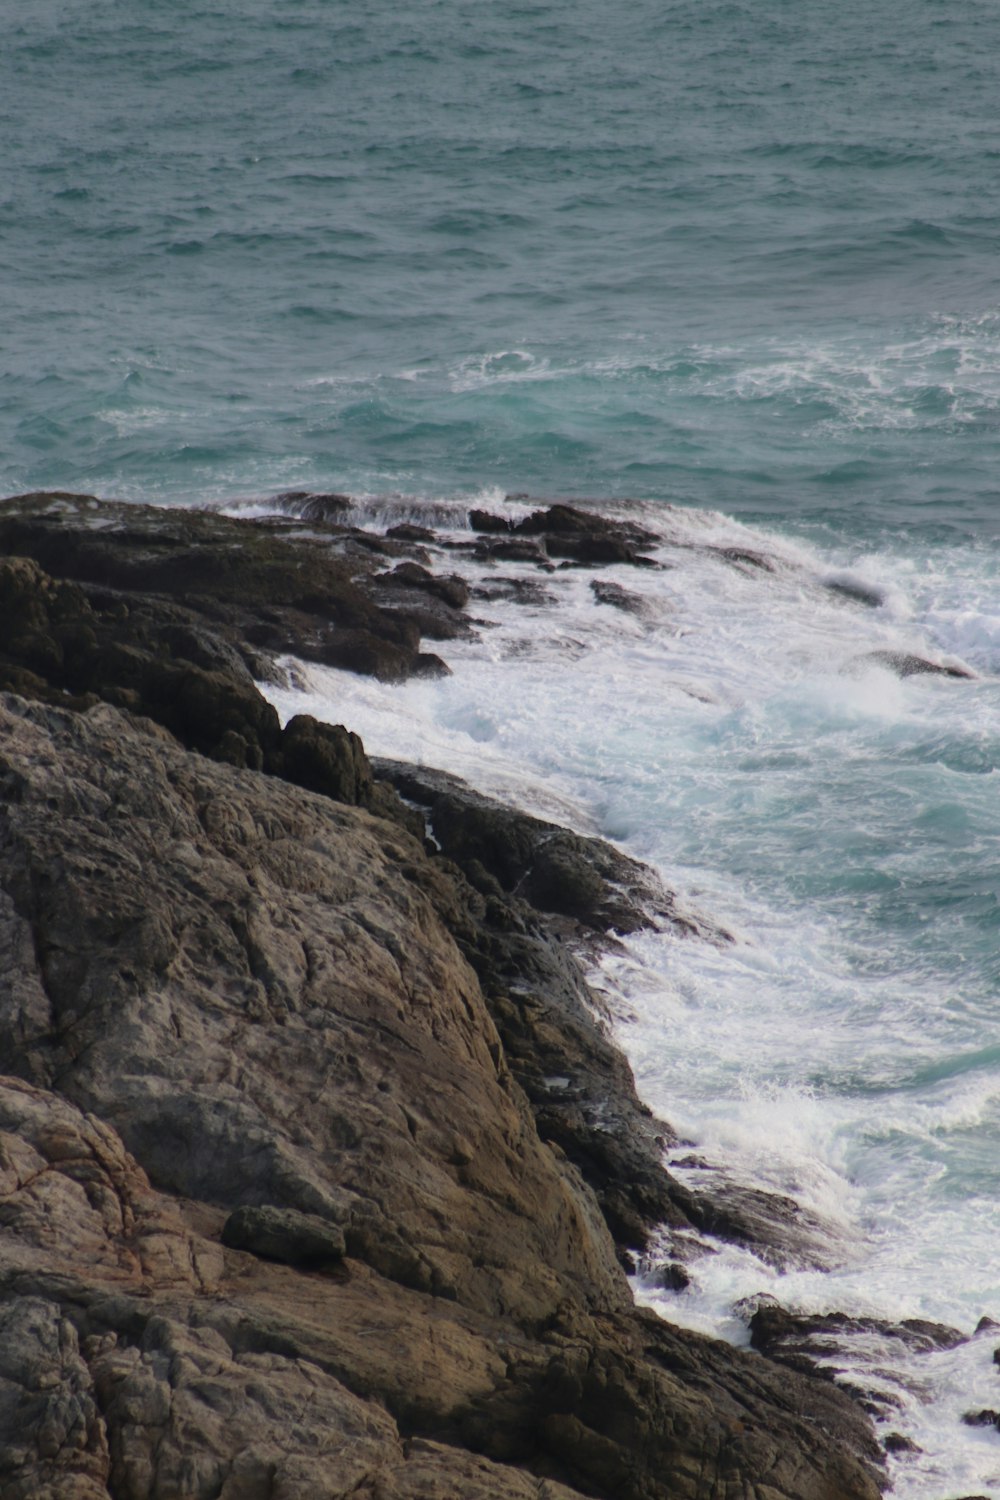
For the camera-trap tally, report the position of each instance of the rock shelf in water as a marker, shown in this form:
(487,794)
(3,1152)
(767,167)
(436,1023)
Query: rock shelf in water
(319,1165)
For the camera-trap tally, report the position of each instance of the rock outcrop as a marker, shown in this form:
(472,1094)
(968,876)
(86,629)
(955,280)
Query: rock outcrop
(263,588)
(290,1204)
(565,532)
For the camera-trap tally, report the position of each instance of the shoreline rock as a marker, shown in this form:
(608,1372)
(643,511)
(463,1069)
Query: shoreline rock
(246,991)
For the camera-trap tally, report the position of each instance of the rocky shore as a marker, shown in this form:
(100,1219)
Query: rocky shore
(321,1173)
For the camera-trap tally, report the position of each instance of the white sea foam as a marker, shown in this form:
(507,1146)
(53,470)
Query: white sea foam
(840,824)
(502,367)
(128,420)
(945,372)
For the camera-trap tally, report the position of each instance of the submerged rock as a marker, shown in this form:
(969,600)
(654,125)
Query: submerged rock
(515,590)
(669,1277)
(310,505)
(858,593)
(745,559)
(898,1442)
(905,664)
(607,592)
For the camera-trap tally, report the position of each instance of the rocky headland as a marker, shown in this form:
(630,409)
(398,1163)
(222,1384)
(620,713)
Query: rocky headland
(320,1170)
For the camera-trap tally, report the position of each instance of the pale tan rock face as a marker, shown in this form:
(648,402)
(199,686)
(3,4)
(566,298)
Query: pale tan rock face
(215,990)
(167,1406)
(240,976)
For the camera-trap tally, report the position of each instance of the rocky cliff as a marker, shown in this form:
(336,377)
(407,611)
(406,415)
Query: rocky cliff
(290,1207)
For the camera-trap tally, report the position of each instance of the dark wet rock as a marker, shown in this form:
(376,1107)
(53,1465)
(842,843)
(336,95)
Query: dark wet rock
(265,588)
(432,602)
(607,592)
(451,590)
(146,657)
(774,1226)
(568,520)
(922,1336)
(517,590)
(821,1342)
(985,1418)
(669,1277)
(324,758)
(746,560)
(309,505)
(778,1333)
(515,549)
(878,1403)
(202,692)
(434,621)
(897,1442)
(405,531)
(552,868)
(491,525)
(565,531)
(284,1234)
(858,593)
(372,656)
(904,664)
(593,549)
(364,545)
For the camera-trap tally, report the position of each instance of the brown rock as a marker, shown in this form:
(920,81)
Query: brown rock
(264,586)
(253,993)
(329,953)
(284,1234)
(253,985)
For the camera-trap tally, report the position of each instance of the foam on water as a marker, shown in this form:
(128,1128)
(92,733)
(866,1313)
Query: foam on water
(733,257)
(842,824)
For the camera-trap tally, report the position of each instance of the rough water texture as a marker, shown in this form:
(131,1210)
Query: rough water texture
(740,256)
(279,1219)
(708,260)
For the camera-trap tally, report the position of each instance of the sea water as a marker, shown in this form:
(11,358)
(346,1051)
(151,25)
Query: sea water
(843,826)
(735,268)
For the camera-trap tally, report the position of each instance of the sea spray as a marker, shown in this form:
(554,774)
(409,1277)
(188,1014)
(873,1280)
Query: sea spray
(737,727)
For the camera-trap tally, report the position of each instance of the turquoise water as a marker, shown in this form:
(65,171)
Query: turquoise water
(740,259)
(740,256)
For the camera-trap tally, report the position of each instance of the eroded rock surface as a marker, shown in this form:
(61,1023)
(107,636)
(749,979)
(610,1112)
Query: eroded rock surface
(264,587)
(240,992)
(317,1162)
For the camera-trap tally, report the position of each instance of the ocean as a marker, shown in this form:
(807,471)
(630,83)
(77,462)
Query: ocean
(734,269)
